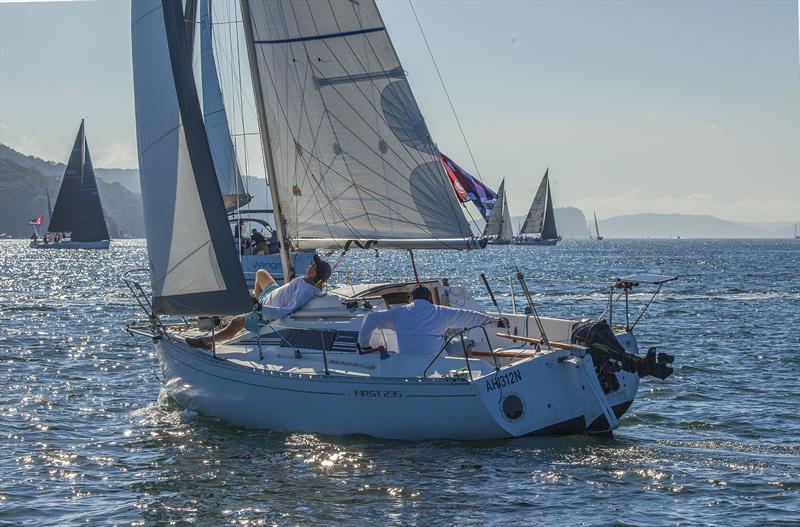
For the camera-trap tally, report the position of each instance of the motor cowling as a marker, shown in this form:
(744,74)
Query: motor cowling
(610,357)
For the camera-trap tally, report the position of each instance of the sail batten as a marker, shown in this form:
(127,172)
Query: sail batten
(352,157)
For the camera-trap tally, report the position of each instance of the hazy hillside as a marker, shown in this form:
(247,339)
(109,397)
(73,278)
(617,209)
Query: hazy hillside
(683,225)
(25,180)
(127,177)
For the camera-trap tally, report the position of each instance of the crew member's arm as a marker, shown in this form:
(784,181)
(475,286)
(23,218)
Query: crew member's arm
(463,318)
(374,320)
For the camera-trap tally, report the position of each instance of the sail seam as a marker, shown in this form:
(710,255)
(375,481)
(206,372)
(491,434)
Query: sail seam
(321,37)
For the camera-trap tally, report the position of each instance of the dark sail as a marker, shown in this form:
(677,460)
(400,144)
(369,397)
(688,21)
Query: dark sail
(68,200)
(90,222)
(549,231)
(78,209)
(540,219)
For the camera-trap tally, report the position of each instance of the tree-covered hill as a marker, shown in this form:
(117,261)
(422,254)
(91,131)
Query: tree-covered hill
(25,180)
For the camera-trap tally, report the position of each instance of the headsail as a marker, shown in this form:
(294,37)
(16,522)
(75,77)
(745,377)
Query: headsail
(499,222)
(352,156)
(541,218)
(194,266)
(68,199)
(216,120)
(90,223)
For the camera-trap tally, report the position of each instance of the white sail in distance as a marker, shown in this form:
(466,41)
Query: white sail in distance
(352,156)
(216,120)
(499,223)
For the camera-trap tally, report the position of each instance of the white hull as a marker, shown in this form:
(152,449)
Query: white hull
(554,395)
(102,244)
(393,397)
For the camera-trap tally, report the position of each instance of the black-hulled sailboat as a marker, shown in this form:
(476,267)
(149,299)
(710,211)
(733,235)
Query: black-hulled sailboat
(498,227)
(77,220)
(539,227)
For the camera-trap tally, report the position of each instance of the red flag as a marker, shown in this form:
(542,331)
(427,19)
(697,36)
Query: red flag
(37,220)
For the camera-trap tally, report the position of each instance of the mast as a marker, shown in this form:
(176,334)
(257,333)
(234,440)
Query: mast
(266,143)
(49,206)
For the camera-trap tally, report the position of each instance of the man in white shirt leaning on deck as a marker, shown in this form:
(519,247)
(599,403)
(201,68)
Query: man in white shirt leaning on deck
(420,325)
(276,302)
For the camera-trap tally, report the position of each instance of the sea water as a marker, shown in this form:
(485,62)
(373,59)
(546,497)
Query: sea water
(89,437)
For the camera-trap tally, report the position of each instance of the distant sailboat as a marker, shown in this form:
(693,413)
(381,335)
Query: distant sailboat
(596,229)
(498,228)
(77,220)
(539,227)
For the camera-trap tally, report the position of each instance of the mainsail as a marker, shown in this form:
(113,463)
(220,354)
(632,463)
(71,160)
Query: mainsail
(351,155)
(78,209)
(194,265)
(216,121)
(541,219)
(499,223)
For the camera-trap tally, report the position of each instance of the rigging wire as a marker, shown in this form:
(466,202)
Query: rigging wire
(447,94)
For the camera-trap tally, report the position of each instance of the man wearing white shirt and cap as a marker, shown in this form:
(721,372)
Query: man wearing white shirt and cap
(420,325)
(275,302)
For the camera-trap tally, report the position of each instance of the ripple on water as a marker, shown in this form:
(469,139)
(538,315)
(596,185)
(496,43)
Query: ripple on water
(90,437)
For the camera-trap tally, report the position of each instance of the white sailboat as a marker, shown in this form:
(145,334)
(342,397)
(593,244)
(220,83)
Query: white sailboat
(539,227)
(350,165)
(596,228)
(498,227)
(77,221)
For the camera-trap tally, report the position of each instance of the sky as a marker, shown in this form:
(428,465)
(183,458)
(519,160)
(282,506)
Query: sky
(635,106)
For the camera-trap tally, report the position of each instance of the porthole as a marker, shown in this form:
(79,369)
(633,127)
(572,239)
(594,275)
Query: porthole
(513,407)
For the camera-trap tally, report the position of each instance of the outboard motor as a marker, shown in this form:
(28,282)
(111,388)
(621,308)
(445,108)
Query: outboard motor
(610,357)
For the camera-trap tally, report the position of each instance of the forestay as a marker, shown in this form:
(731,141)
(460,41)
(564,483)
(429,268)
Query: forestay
(193,262)
(216,120)
(352,155)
